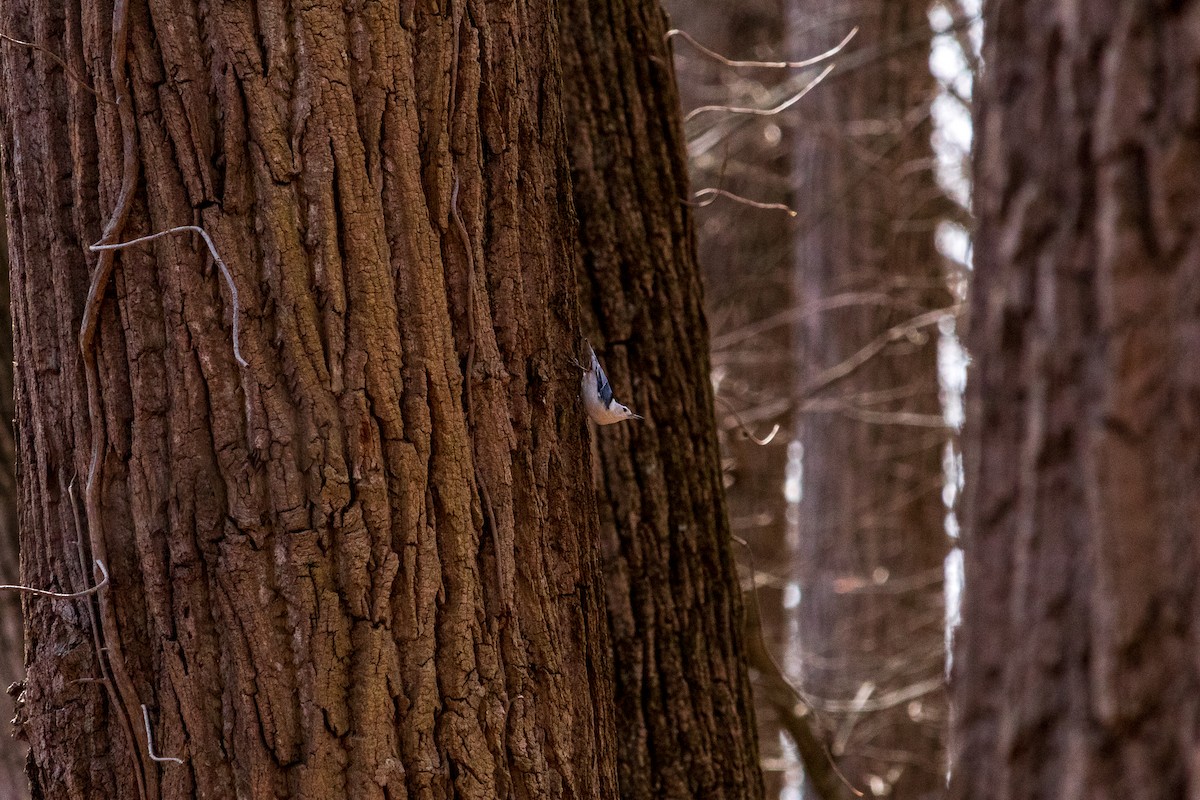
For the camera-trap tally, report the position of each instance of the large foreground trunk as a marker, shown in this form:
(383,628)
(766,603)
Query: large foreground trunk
(362,564)
(1076,667)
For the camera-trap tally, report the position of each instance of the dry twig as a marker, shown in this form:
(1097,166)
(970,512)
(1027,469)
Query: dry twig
(62,595)
(150,741)
(57,59)
(763,112)
(863,702)
(212,248)
(761,442)
(712,193)
(729,62)
(904,330)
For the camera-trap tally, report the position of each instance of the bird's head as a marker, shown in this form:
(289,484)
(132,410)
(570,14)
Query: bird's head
(624,412)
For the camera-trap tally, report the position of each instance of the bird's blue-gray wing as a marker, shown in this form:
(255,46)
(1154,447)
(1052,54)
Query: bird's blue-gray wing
(604,388)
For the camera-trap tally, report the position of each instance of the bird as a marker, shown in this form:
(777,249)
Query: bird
(598,400)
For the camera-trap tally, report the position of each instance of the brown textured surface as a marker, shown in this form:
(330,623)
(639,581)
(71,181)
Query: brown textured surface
(305,590)
(13,783)
(1076,664)
(871,518)
(684,708)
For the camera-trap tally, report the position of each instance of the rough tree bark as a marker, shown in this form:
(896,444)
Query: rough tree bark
(871,517)
(365,564)
(684,708)
(1075,665)
(13,783)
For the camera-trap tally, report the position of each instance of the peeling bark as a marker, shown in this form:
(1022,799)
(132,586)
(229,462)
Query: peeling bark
(684,709)
(364,565)
(1075,666)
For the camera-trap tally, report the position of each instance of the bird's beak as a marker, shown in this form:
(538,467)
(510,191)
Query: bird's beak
(636,416)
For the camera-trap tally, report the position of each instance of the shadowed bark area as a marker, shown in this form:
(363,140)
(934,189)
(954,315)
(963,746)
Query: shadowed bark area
(684,708)
(13,783)
(745,259)
(1076,667)
(871,528)
(746,254)
(364,564)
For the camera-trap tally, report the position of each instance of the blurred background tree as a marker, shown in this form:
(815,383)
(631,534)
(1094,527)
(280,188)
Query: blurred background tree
(1076,671)
(871,538)
(831,324)
(826,323)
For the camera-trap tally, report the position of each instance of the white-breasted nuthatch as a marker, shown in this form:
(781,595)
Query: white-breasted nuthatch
(597,392)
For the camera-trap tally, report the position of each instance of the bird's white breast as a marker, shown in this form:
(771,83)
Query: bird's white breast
(594,405)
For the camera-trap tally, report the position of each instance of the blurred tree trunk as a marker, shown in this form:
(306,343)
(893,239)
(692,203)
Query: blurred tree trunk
(1075,666)
(13,783)
(745,256)
(684,707)
(365,564)
(871,517)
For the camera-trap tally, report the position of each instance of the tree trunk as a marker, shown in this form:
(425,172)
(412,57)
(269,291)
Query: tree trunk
(13,783)
(872,540)
(1075,666)
(365,563)
(684,708)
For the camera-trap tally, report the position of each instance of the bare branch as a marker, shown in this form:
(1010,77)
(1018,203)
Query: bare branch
(850,62)
(808,62)
(761,442)
(212,248)
(713,193)
(150,741)
(761,112)
(794,315)
(884,701)
(870,585)
(62,595)
(961,21)
(902,331)
(853,411)
(57,59)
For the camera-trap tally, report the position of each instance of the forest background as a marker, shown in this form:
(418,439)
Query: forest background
(369,547)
